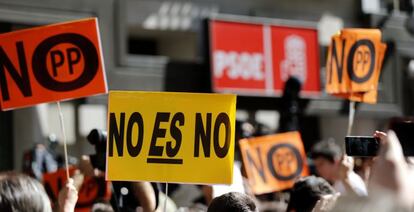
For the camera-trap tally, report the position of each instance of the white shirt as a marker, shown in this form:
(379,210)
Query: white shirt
(355,182)
(237,185)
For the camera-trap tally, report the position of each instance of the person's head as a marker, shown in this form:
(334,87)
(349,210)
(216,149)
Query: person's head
(19,192)
(326,157)
(102,207)
(232,202)
(306,192)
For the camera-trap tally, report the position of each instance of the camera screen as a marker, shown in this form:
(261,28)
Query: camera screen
(361,146)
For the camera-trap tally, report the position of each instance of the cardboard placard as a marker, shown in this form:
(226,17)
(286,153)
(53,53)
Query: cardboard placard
(170,137)
(51,63)
(92,188)
(274,162)
(354,64)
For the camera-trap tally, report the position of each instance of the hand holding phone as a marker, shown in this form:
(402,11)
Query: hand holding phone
(361,146)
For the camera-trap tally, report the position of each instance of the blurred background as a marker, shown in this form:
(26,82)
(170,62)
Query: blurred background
(154,45)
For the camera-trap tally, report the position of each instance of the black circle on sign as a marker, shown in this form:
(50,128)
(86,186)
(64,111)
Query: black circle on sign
(271,165)
(350,62)
(88,50)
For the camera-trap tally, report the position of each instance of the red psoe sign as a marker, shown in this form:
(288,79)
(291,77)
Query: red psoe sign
(257,59)
(51,63)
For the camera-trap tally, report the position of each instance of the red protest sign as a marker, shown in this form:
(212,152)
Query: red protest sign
(92,188)
(257,59)
(273,162)
(51,63)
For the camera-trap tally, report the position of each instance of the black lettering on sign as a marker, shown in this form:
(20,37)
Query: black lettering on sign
(158,133)
(73,60)
(135,118)
(84,47)
(258,167)
(21,79)
(157,151)
(116,135)
(176,134)
(284,162)
(52,190)
(165,160)
(91,190)
(363,57)
(49,192)
(339,63)
(203,134)
(57,58)
(222,118)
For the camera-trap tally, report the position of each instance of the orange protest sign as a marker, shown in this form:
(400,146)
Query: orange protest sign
(55,181)
(92,188)
(274,162)
(354,64)
(51,63)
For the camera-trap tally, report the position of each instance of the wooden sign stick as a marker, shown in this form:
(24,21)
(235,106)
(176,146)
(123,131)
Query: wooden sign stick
(62,127)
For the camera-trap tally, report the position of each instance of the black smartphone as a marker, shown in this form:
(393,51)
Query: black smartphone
(404,129)
(361,146)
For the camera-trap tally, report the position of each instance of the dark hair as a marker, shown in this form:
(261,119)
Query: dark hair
(232,202)
(20,192)
(307,191)
(328,150)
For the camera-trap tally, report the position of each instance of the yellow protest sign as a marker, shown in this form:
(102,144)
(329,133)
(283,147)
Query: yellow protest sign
(170,137)
(274,162)
(354,64)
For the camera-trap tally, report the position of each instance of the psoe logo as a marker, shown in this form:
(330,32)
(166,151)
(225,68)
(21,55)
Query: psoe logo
(239,65)
(294,63)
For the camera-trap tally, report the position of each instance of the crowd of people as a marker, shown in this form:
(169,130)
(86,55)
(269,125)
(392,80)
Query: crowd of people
(381,183)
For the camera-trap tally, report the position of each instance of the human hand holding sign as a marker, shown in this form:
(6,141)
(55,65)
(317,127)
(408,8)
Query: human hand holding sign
(68,197)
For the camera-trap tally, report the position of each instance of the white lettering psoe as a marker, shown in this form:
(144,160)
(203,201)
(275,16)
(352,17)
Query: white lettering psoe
(239,65)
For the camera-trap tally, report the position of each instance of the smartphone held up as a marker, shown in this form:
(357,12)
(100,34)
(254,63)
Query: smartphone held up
(361,146)
(368,146)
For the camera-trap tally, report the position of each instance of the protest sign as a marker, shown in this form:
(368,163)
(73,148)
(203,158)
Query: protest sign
(354,64)
(273,162)
(170,137)
(92,188)
(51,63)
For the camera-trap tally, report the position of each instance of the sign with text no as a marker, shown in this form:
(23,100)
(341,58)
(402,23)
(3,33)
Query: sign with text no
(51,63)
(170,137)
(354,64)
(92,188)
(274,162)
